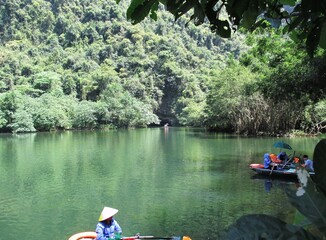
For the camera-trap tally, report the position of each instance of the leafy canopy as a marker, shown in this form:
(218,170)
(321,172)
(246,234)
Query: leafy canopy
(305,20)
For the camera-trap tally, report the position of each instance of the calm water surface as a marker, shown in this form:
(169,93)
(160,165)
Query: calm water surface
(174,181)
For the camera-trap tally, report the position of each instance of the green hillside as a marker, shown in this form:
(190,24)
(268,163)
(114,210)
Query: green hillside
(80,65)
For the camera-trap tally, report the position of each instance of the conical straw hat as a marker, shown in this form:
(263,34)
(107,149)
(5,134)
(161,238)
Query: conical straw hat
(106,213)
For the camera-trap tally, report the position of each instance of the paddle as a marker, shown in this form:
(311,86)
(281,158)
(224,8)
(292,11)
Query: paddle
(146,237)
(289,159)
(153,237)
(272,169)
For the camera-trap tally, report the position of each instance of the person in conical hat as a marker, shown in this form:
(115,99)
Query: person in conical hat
(108,227)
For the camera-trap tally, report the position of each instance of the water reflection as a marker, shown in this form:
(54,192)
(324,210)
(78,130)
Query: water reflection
(269,183)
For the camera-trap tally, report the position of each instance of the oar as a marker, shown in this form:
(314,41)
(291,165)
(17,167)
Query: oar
(290,158)
(145,237)
(272,170)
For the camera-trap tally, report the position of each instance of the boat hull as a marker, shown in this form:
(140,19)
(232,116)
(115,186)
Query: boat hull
(285,172)
(83,235)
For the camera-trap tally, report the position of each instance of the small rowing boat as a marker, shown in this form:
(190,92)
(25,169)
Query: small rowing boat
(279,171)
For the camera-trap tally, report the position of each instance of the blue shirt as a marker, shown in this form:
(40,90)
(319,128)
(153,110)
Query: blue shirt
(267,160)
(282,156)
(309,165)
(104,230)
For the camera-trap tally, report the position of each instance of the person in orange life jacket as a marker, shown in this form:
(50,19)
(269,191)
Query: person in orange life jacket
(108,227)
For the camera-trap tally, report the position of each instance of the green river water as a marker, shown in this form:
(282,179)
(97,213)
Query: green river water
(175,181)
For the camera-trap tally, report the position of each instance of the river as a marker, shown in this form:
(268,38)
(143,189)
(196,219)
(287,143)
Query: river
(174,181)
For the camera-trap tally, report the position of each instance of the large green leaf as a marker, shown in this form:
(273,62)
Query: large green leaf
(313,39)
(184,8)
(322,39)
(154,9)
(295,22)
(173,6)
(288,2)
(236,9)
(222,28)
(139,9)
(260,226)
(307,16)
(249,18)
(199,14)
(320,165)
(309,201)
(131,9)
(295,36)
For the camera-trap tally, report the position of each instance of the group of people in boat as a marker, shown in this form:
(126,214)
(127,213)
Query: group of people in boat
(271,161)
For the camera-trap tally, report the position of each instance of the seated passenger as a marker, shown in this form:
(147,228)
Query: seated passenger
(308,163)
(274,158)
(296,159)
(267,161)
(283,156)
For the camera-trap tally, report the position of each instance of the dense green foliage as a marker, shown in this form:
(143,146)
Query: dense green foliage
(304,19)
(275,88)
(80,64)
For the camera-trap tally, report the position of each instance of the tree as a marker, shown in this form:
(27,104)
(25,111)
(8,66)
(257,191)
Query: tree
(22,122)
(126,111)
(47,81)
(9,103)
(51,112)
(191,104)
(304,19)
(290,81)
(3,120)
(85,115)
(229,101)
(315,117)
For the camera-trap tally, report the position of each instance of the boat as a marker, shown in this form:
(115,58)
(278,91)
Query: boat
(84,236)
(279,170)
(92,236)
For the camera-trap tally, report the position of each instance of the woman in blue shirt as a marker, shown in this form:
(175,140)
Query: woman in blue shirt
(108,227)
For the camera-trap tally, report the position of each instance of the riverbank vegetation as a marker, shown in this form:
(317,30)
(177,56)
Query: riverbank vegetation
(81,65)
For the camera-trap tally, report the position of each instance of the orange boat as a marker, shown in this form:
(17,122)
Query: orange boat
(83,236)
